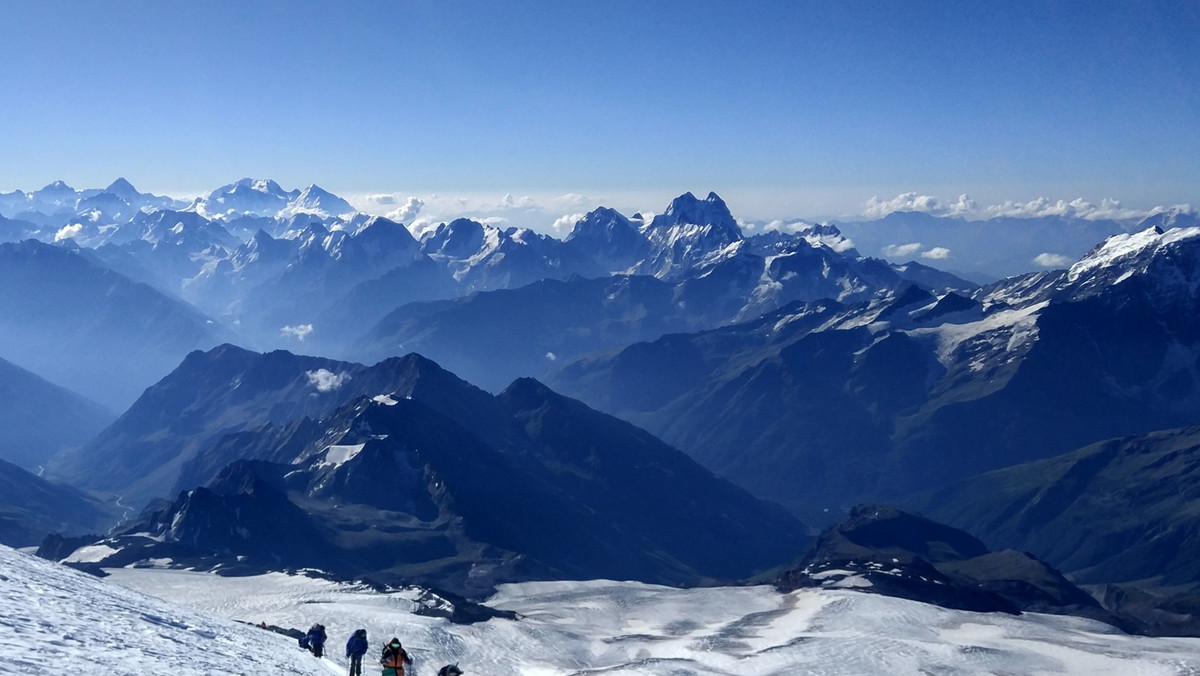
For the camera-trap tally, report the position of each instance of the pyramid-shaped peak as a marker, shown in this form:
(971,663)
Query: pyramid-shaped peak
(381,228)
(121,186)
(316,196)
(601,218)
(314,190)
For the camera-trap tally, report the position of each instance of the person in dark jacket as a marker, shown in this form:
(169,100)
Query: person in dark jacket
(394,658)
(450,670)
(356,647)
(314,640)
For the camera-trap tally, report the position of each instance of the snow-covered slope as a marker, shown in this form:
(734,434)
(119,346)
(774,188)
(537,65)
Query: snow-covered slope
(609,627)
(59,620)
(262,197)
(56,618)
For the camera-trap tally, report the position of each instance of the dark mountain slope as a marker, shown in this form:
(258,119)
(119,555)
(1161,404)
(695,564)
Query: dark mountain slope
(452,487)
(1118,511)
(211,394)
(31,508)
(39,419)
(88,328)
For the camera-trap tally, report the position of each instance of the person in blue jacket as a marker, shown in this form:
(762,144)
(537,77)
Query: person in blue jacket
(356,647)
(314,640)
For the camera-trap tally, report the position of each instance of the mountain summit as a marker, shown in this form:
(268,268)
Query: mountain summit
(691,234)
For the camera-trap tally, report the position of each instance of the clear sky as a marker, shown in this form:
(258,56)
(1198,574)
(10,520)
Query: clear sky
(786,109)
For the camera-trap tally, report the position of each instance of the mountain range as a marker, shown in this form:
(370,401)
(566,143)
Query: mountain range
(402,471)
(1023,369)
(492,405)
(272,268)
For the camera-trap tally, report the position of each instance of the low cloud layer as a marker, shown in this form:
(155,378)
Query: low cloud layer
(966,208)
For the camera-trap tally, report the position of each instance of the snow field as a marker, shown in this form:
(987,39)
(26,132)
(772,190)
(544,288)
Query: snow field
(57,620)
(627,628)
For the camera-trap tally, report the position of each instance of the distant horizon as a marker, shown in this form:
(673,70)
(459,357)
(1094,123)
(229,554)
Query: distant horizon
(556,214)
(815,110)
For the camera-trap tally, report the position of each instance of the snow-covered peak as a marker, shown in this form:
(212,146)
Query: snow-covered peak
(266,186)
(459,238)
(308,236)
(602,224)
(827,235)
(712,213)
(1174,217)
(316,201)
(257,197)
(57,187)
(691,232)
(1130,254)
(55,196)
(384,240)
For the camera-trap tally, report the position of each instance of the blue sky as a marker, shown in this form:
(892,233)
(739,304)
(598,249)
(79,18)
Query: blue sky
(787,109)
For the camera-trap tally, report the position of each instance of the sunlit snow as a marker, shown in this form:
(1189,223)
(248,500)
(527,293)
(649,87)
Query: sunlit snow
(338,455)
(55,620)
(576,628)
(1120,246)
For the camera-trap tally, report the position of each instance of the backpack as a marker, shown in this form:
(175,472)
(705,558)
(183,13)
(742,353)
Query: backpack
(357,645)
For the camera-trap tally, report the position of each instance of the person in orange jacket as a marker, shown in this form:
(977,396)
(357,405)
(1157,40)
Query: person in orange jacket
(394,658)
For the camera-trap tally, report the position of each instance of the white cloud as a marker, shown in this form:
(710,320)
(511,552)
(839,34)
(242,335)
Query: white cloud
(574,199)
(1051,260)
(777,225)
(565,224)
(551,356)
(325,380)
(901,250)
(299,331)
(68,231)
(937,253)
(407,212)
(969,209)
(422,226)
(523,202)
(909,201)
